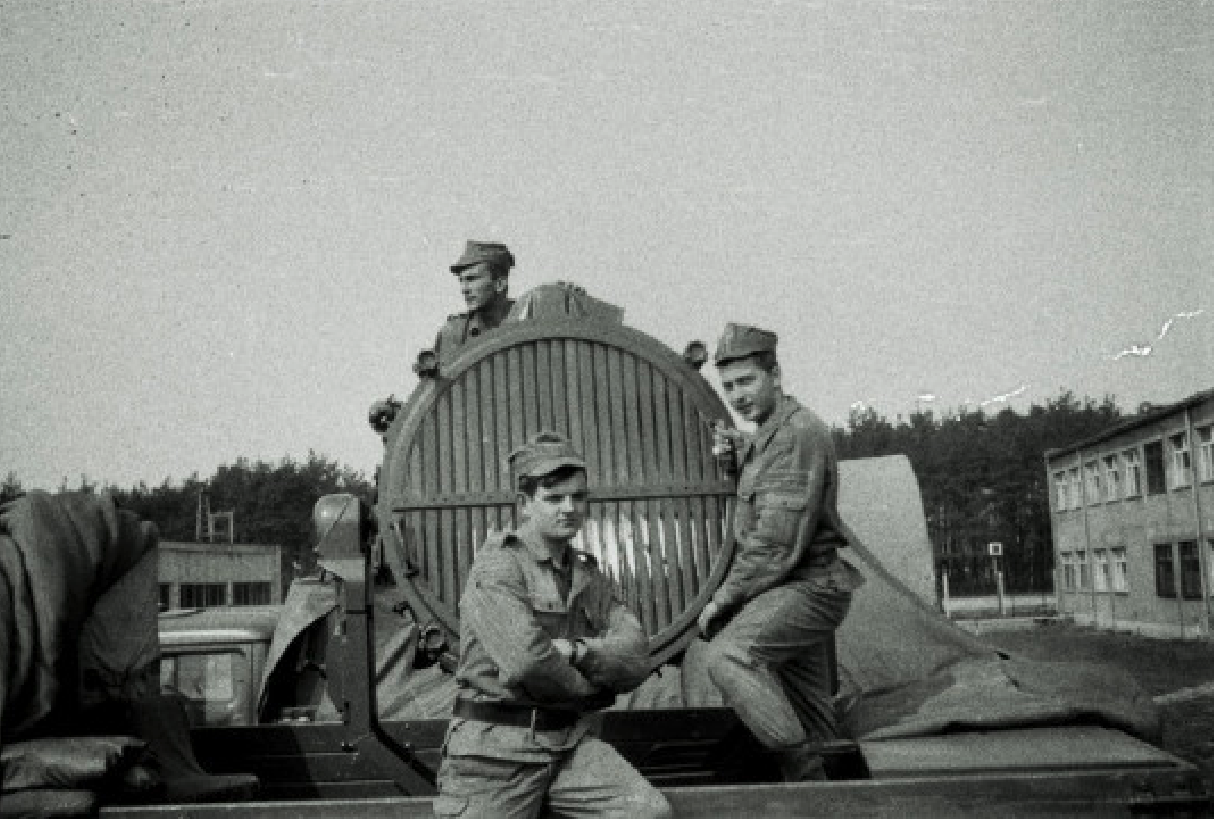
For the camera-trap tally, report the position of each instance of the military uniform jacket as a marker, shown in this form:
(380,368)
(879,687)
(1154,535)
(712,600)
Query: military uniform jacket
(465,328)
(786,525)
(511,611)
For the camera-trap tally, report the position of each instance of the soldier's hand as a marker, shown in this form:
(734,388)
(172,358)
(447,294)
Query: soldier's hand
(726,438)
(564,648)
(708,617)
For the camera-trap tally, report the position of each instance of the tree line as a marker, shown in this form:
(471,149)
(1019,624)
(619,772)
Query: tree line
(983,480)
(270,502)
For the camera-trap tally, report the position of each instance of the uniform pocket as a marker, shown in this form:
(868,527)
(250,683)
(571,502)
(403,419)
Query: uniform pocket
(447,805)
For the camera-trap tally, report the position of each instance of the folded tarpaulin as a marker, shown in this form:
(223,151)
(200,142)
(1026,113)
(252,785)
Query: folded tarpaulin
(58,555)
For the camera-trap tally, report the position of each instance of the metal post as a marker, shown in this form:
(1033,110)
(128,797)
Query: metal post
(999,591)
(944,601)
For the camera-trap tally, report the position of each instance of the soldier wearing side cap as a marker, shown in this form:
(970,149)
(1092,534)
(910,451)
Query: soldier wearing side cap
(544,643)
(771,623)
(484,280)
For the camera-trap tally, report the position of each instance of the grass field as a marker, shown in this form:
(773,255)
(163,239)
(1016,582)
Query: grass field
(1160,666)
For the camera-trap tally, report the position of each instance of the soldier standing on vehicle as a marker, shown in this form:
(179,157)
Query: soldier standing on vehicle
(544,642)
(771,623)
(484,279)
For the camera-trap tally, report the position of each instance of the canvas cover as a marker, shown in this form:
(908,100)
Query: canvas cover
(61,557)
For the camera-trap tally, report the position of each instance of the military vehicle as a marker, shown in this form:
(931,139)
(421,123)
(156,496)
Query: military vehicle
(659,524)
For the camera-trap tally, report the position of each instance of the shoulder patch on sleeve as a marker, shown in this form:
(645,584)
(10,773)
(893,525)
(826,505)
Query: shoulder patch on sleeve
(497,539)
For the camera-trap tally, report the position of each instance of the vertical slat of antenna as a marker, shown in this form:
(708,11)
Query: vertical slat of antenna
(665,566)
(488,420)
(645,524)
(602,416)
(573,395)
(588,404)
(518,433)
(531,402)
(459,547)
(625,455)
(427,546)
(414,546)
(599,428)
(480,386)
(543,383)
(700,468)
(666,474)
(556,380)
(679,467)
(587,407)
(502,387)
(445,567)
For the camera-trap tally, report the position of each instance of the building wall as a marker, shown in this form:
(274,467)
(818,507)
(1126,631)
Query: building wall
(1136,525)
(225,564)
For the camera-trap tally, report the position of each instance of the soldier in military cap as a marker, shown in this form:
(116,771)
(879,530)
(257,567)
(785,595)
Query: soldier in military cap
(484,278)
(544,643)
(771,623)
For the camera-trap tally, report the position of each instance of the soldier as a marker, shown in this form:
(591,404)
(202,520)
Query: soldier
(484,278)
(544,642)
(771,623)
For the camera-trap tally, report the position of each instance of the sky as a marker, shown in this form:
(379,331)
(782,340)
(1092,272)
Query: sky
(225,226)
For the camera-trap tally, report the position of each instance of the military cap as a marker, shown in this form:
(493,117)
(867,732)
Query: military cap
(495,254)
(543,454)
(742,340)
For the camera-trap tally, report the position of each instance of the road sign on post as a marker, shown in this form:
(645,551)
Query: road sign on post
(995,549)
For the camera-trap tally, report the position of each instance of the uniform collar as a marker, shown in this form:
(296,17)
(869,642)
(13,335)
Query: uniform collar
(536,546)
(539,551)
(787,406)
(495,312)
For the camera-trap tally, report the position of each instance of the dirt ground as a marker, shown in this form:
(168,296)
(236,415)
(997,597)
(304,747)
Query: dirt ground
(1162,667)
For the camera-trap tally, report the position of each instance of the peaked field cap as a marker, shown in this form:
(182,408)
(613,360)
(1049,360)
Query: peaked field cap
(494,253)
(742,340)
(544,453)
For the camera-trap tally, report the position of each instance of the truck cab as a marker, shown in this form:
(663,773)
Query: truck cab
(215,658)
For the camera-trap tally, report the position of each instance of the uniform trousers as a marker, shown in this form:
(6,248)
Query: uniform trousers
(772,661)
(589,781)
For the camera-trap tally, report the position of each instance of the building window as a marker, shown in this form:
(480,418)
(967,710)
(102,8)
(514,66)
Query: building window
(1068,570)
(1121,571)
(1062,491)
(1165,571)
(1112,477)
(1133,473)
(1205,453)
(251,594)
(1152,453)
(166,596)
(1190,570)
(1102,579)
(201,595)
(1182,460)
(1095,489)
(1081,560)
(1076,488)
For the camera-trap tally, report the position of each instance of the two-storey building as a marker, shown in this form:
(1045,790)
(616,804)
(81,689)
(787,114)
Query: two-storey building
(198,575)
(1133,522)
